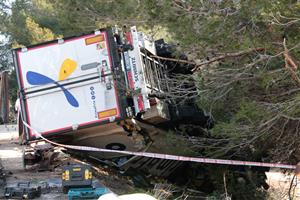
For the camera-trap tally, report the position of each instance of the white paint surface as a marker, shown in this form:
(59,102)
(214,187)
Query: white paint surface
(49,110)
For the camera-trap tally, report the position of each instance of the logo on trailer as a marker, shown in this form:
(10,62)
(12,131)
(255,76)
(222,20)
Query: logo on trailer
(135,71)
(66,69)
(93,98)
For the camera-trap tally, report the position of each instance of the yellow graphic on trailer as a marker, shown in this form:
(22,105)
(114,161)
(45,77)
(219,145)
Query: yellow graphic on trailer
(66,69)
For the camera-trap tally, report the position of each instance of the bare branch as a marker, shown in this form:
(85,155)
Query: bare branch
(228,55)
(288,61)
(173,59)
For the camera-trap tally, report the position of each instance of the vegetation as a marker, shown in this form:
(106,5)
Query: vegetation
(245,53)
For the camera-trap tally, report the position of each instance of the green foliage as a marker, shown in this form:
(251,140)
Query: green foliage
(13,87)
(174,145)
(16,23)
(38,34)
(249,112)
(239,129)
(5,57)
(241,183)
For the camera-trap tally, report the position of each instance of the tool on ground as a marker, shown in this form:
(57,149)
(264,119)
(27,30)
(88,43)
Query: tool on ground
(77,182)
(76,176)
(86,193)
(23,190)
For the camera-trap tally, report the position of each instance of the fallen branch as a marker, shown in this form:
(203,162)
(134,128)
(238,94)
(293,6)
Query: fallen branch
(228,55)
(174,60)
(286,93)
(225,55)
(289,62)
(290,188)
(288,57)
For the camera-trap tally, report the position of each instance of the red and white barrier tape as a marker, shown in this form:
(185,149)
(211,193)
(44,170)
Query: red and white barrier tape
(166,156)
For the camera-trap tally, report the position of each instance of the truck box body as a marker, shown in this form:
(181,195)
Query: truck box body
(70,84)
(84,81)
(103,89)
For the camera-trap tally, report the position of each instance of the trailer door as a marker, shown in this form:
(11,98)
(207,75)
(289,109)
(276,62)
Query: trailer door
(69,84)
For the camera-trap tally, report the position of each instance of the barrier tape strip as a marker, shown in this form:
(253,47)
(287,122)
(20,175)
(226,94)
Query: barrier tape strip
(167,156)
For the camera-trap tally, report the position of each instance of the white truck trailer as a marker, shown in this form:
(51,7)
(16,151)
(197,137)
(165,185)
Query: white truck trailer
(94,90)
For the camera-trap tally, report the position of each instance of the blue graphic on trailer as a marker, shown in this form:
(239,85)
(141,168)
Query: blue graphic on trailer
(66,69)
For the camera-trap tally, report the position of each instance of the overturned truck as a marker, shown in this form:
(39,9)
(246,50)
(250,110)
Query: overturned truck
(103,89)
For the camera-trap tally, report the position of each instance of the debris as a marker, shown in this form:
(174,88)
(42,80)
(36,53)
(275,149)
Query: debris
(23,190)
(45,188)
(43,155)
(2,175)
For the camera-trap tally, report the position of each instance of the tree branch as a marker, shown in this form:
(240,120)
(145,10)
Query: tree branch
(228,55)
(289,62)
(198,65)
(174,60)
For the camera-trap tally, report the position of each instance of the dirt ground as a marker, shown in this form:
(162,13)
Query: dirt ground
(11,157)
(11,154)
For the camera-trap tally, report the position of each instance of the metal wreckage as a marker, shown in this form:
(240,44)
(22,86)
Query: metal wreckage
(4,97)
(107,89)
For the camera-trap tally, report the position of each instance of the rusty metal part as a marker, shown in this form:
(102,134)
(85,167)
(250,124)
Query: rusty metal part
(130,125)
(4,98)
(41,155)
